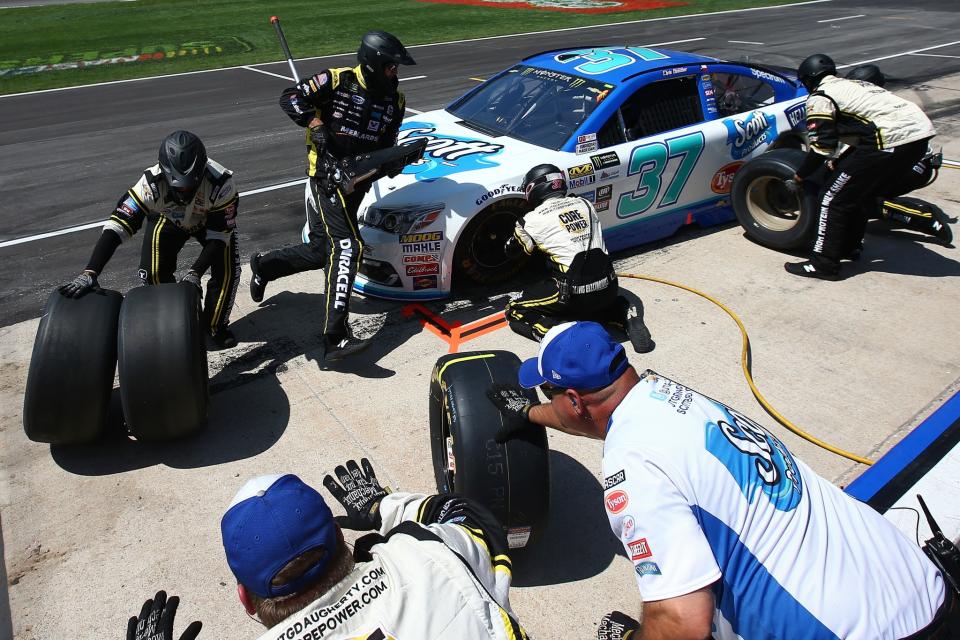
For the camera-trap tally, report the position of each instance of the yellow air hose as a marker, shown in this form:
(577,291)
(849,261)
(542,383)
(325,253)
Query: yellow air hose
(745,364)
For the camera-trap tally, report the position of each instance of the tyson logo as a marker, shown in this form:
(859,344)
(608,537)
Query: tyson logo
(617,501)
(723,179)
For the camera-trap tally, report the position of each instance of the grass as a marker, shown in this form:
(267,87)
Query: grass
(223,33)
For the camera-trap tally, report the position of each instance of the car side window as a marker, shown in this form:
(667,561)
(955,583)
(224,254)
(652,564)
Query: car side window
(654,108)
(737,93)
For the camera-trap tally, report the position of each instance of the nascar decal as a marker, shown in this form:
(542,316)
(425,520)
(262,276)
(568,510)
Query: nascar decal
(748,133)
(569,6)
(796,115)
(723,179)
(617,501)
(756,459)
(446,155)
(639,549)
(611,481)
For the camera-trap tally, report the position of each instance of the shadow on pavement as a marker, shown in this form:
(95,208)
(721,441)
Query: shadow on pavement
(577,543)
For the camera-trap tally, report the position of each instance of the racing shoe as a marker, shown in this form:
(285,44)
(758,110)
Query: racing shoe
(223,339)
(637,331)
(338,348)
(941,226)
(809,270)
(258,284)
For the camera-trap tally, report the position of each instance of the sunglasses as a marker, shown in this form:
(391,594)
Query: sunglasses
(551,391)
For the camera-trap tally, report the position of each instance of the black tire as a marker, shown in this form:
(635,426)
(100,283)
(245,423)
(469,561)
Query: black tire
(479,255)
(163,362)
(769,213)
(67,398)
(511,479)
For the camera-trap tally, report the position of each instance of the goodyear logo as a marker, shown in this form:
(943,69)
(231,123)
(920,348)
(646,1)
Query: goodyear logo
(428,236)
(580,171)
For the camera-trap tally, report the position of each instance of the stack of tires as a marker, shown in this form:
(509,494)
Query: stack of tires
(510,479)
(154,334)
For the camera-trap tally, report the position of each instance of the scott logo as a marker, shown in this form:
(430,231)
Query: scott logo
(723,179)
(746,134)
(617,501)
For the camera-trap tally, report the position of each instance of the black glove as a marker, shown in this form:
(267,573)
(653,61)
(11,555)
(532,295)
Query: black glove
(513,404)
(192,277)
(320,137)
(616,626)
(156,620)
(359,493)
(793,187)
(80,285)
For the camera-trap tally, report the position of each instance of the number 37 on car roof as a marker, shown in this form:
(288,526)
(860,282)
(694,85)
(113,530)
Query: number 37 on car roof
(598,61)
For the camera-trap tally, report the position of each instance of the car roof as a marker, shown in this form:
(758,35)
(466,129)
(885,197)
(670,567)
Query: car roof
(641,59)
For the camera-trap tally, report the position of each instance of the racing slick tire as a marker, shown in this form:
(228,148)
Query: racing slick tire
(163,362)
(769,213)
(510,479)
(70,380)
(480,255)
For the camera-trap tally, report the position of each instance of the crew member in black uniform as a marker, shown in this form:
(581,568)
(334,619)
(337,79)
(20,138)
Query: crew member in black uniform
(185,195)
(583,285)
(889,135)
(347,111)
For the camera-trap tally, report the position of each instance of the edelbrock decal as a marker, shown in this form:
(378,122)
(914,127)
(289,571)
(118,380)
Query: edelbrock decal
(445,155)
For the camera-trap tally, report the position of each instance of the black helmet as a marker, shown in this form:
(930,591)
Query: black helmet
(183,159)
(814,69)
(377,50)
(542,182)
(868,73)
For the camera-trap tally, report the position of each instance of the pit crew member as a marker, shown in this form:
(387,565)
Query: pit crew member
(888,134)
(186,194)
(583,283)
(729,533)
(347,111)
(433,566)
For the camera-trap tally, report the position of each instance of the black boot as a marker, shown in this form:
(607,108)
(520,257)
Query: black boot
(222,339)
(258,284)
(339,347)
(637,331)
(809,270)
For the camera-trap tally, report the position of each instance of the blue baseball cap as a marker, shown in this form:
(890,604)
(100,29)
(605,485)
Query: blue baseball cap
(272,520)
(575,355)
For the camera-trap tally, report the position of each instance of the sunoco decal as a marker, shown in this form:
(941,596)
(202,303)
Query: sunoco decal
(745,134)
(445,155)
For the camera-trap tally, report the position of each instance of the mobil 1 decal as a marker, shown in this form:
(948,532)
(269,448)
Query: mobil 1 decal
(660,171)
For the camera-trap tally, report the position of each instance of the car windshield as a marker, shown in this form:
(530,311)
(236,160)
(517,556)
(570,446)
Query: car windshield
(535,105)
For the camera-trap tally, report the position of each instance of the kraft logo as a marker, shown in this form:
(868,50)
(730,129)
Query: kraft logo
(617,501)
(723,179)
(639,549)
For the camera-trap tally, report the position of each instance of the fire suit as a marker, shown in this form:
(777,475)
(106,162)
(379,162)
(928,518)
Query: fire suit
(356,120)
(583,285)
(211,218)
(889,135)
(437,568)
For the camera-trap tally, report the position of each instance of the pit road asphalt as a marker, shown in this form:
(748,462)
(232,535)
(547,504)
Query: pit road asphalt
(89,532)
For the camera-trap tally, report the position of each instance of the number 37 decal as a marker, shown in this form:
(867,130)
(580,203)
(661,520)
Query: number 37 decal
(652,162)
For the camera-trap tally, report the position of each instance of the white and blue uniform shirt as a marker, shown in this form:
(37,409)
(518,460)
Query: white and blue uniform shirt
(701,495)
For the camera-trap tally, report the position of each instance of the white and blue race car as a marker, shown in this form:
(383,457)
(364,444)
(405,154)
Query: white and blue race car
(652,137)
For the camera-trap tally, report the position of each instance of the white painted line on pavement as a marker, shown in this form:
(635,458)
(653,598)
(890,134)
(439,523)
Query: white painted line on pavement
(92,225)
(269,73)
(431,44)
(742,42)
(897,55)
(859,15)
(934,55)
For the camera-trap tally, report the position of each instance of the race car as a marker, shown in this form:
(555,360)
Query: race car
(652,137)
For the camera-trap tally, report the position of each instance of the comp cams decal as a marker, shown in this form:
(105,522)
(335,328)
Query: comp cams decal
(420,253)
(750,132)
(446,155)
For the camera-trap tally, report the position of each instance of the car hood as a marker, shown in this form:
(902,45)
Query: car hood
(456,157)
